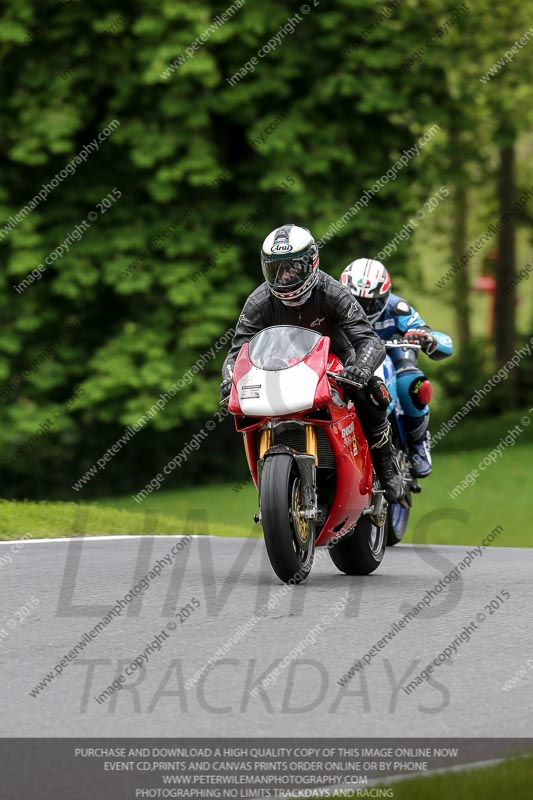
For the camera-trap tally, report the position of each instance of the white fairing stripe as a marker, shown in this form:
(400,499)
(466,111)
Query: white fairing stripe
(277,392)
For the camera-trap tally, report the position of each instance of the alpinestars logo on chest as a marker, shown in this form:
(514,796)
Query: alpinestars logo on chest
(316,323)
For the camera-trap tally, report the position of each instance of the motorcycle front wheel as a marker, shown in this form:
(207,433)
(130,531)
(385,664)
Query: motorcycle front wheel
(289,536)
(397,515)
(397,519)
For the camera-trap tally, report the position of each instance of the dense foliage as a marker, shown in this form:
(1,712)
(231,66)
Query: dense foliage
(152,235)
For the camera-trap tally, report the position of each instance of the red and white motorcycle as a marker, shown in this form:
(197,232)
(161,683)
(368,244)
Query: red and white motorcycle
(307,455)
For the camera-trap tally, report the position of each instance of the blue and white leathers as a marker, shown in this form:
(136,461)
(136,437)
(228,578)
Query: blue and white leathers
(397,318)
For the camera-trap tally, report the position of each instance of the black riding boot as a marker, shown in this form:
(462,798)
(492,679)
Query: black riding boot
(385,463)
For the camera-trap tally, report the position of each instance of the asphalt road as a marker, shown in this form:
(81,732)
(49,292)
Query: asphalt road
(225,582)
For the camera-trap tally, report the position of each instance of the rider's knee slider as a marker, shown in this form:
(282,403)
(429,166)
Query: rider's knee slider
(421,391)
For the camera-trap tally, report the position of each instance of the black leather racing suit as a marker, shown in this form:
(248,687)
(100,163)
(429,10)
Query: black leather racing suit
(331,311)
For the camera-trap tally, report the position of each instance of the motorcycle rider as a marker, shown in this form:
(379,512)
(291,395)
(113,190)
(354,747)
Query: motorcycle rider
(370,282)
(297,292)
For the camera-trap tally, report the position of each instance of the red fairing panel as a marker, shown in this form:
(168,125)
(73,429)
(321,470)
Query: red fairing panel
(318,361)
(243,365)
(353,473)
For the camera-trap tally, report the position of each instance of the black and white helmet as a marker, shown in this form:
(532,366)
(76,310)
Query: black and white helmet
(289,260)
(370,282)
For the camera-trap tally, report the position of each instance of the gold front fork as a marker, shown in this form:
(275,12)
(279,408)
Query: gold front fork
(265,441)
(311,442)
(245,442)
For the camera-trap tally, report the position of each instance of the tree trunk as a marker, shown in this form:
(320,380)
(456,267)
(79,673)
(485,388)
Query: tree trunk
(505,299)
(461,283)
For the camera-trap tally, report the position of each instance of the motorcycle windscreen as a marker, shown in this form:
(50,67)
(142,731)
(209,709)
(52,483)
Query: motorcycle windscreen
(282,346)
(279,381)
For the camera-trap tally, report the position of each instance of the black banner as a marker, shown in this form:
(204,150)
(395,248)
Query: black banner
(124,769)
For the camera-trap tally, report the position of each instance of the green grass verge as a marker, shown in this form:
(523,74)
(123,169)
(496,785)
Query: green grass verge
(218,504)
(510,779)
(50,520)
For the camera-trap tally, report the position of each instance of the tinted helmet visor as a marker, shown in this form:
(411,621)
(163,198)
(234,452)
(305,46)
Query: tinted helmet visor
(287,275)
(373,306)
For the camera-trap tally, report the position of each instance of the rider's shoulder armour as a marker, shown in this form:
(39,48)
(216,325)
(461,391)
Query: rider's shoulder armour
(400,307)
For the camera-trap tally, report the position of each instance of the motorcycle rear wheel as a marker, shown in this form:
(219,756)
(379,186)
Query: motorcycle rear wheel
(362,552)
(289,537)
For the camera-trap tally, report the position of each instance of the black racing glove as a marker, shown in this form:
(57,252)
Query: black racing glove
(225,389)
(357,375)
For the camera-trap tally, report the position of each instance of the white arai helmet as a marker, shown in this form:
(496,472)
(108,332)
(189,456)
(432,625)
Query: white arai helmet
(369,281)
(289,260)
